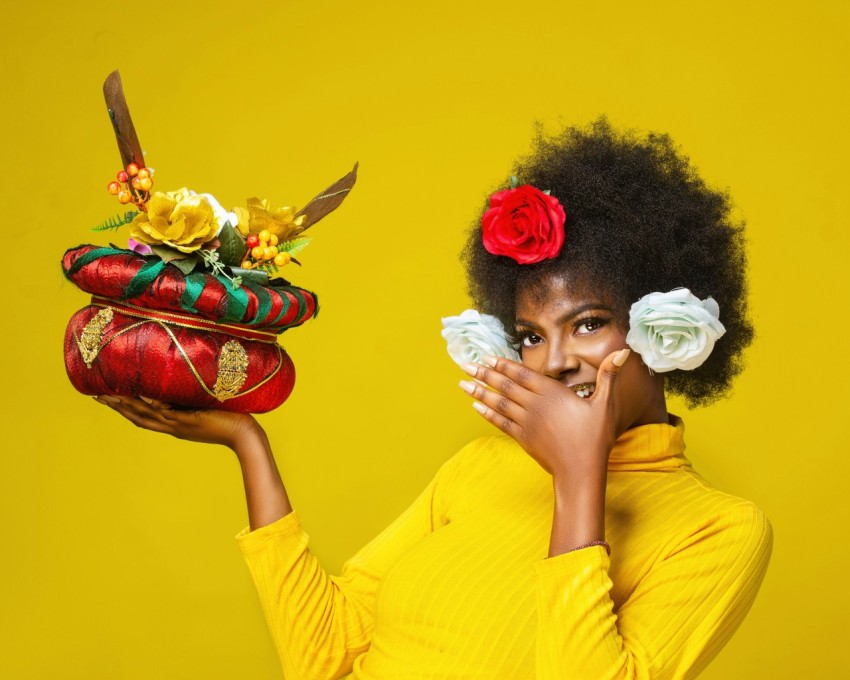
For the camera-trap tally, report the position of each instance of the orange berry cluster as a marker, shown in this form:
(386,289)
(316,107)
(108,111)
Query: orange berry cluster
(137,185)
(262,249)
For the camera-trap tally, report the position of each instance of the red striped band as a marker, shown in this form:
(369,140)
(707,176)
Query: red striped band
(185,320)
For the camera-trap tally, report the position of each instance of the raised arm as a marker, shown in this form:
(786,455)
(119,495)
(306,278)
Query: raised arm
(319,623)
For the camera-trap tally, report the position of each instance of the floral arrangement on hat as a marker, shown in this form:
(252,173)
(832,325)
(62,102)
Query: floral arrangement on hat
(192,230)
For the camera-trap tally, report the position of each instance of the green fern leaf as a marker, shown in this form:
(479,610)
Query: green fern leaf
(269,267)
(294,245)
(116,221)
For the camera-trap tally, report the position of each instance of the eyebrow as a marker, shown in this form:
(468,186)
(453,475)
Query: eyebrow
(568,316)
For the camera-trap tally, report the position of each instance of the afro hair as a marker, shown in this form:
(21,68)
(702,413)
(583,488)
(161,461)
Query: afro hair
(639,220)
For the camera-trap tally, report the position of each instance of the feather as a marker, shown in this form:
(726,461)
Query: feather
(327,201)
(122,124)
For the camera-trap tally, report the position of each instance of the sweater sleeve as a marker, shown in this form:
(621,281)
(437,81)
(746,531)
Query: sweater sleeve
(676,620)
(321,623)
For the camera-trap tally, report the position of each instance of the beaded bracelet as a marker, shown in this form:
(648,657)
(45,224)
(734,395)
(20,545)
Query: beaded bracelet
(591,544)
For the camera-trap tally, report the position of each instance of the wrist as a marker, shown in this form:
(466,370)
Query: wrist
(264,490)
(587,465)
(580,484)
(573,498)
(250,444)
(579,512)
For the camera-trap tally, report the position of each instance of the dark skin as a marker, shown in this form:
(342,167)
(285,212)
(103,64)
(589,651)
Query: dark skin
(571,339)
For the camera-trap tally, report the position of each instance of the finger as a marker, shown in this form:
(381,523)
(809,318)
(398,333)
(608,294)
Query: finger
(156,404)
(607,374)
(128,408)
(514,380)
(139,408)
(495,400)
(166,410)
(500,421)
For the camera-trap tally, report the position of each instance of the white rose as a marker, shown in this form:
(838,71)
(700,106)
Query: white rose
(221,215)
(674,330)
(473,336)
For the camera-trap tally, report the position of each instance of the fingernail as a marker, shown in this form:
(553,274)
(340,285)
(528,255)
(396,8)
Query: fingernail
(479,407)
(490,361)
(147,400)
(466,386)
(621,356)
(472,369)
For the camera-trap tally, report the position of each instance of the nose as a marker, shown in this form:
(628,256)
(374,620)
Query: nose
(561,361)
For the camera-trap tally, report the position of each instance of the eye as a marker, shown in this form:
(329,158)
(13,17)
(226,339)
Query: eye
(529,339)
(589,325)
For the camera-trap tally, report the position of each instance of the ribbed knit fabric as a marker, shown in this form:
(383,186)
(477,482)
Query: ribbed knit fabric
(459,586)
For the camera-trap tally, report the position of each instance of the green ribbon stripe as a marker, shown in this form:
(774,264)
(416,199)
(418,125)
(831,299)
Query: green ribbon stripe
(91,256)
(143,278)
(236,298)
(194,287)
(235,303)
(264,302)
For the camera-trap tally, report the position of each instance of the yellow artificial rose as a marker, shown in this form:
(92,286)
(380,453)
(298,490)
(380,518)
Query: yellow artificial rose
(177,219)
(281,221)
(242,219)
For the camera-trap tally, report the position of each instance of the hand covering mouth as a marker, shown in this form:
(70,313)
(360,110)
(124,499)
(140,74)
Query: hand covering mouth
(584,390)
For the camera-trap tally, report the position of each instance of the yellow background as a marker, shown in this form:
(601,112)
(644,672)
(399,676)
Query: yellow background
(118,559)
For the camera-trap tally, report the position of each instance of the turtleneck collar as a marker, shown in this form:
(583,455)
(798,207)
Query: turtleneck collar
(657,446)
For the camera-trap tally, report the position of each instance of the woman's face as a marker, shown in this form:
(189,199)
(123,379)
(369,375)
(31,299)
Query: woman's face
(565,333)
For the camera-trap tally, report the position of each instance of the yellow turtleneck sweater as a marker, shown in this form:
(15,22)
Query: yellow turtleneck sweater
(459,586)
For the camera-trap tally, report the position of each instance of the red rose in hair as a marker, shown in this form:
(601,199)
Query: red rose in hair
(524,224)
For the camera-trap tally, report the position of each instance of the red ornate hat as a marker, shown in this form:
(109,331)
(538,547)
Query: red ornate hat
(190,314)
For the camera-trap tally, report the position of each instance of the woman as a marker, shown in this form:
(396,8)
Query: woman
(501,567)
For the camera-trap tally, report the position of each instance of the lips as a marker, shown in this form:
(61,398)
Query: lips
(584,390)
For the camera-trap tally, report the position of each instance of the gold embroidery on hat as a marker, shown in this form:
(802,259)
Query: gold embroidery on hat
(91,338)
(232,371)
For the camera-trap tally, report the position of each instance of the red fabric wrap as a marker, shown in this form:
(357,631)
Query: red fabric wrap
(110,275)
(149,345)
(138,356)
